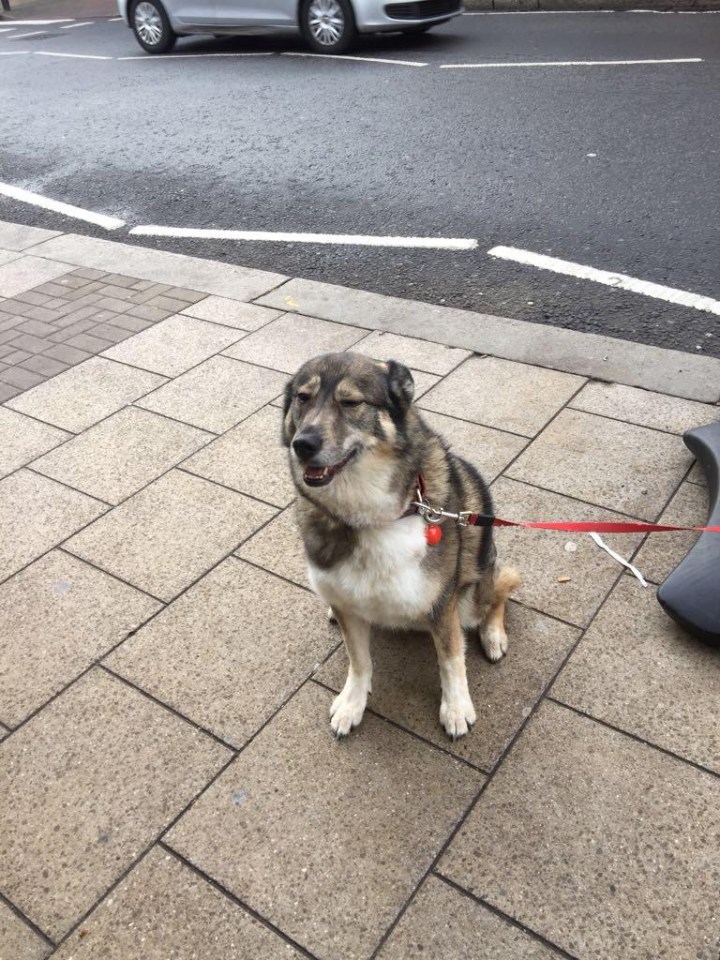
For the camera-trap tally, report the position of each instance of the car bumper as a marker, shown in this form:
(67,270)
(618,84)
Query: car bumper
(388,15)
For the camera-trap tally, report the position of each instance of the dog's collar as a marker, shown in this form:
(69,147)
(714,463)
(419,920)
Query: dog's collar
(435,515)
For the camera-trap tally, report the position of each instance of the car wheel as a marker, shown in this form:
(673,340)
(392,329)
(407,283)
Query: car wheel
(151,27)
(328,25)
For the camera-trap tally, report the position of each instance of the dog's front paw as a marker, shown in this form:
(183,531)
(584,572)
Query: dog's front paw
(348,708)
(457,716)
(494,642)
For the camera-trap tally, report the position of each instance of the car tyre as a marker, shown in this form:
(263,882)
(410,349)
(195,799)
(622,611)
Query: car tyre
(151,26)
(328,26)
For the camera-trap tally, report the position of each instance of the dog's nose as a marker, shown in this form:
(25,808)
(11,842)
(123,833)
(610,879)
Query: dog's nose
(307,444)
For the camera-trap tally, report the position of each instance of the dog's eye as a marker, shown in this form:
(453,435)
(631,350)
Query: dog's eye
(303,397)
(350,403)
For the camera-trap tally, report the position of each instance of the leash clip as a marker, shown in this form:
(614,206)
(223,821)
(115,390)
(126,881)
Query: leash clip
(435,515)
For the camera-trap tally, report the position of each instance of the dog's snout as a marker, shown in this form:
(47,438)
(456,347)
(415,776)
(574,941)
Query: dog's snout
(307,444)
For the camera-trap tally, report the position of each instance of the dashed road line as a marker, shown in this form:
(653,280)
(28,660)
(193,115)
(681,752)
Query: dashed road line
(620,281)
(74,26)
(195,56)
(73,56)
(39,23)
(26,36)
(13,53)
(565,63)
(327,56)
(418,243)
(77,213)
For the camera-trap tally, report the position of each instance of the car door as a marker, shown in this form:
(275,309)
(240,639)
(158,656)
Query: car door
(256,13)
(193,12)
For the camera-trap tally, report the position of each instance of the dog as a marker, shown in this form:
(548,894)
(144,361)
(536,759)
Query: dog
(362,458)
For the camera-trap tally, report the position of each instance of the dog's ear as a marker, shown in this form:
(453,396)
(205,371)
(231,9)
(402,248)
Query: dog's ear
(401,385)
(287,431)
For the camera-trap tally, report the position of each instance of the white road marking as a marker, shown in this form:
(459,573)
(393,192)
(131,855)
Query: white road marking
(74,56)
(6,29)
(25,196)
(197,56)
(565,63)
(422,243)
(39,23)
(13,53)
(329,56)
(74,26)
(618,280)
(35,33)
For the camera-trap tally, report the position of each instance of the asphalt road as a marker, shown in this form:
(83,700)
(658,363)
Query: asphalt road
(615,166)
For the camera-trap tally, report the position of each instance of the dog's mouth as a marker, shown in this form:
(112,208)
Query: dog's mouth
(321,476)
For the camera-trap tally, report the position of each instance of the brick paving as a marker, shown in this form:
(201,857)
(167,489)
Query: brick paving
(169,784)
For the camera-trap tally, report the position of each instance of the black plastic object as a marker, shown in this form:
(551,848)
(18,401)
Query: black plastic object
(691,594)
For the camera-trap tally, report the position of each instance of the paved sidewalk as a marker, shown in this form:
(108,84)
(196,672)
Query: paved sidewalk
(169,785)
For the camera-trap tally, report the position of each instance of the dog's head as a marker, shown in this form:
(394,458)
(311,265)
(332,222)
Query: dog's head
(341,407)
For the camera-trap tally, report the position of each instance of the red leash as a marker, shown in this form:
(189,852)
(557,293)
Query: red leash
(597,526)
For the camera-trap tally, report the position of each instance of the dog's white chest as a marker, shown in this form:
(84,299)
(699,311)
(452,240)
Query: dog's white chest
(383,579)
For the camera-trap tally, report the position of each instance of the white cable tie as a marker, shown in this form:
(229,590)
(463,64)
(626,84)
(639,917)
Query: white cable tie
(616,556)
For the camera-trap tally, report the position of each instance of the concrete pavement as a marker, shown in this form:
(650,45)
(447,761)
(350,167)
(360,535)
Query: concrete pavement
(170,785)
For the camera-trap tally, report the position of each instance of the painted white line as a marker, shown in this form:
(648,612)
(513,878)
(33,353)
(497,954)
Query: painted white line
(565,63)
(38,23)
(6,29)
(13,53)
(421,243)
(74,56)
(618,280)
(328,56)
(25,196)
(26,36)
(195,56)
(74,26)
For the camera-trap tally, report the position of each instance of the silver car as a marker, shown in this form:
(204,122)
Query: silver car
(328,26)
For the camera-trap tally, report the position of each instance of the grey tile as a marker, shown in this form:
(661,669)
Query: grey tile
(86,341)
(69,355)
(170,533)
(173,346)
(331,860)
(217,394)
(564,574)
(44,365)
(662,552)
(232,313)
(406,682)
(90,392)
(7,392)
(278,548)
(502,394)
(418,354)
(262,638)
(87,784)
(80,614)
(17,940)
(488,450)
(250,457)
(643,407)
(37,514)
(172,912)
(615,465)
(26,341)
(594,841)
(636,669)
(286,343)
(118,456)
(22,439)
(442,922)
(27,272)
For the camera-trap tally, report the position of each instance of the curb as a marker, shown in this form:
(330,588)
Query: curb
(644,6)
(664,371)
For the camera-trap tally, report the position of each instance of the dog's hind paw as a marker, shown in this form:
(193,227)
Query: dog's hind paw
(494,642)
(457,718)
(347,709)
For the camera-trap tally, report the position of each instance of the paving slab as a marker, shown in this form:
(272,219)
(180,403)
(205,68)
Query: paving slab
(173,913)
(406,682)
(17,940)
(508,396)
(646,408)
(442,922)
(217,394)
(636,669)
(595,841)
(662,552)
(232,313)
(230,651)
(419,354)
(332,860)
(170,533)
(87,784)
(118,456)
(22,439)
(27,272)
(564,574)
(277,547)
(286,343)
(488,450)
(14,236)
(249,458)
(604,358)
(56,617)
(37,513)
(616,465)
(7,256)
(78,398)
(177,270)
(174,345)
